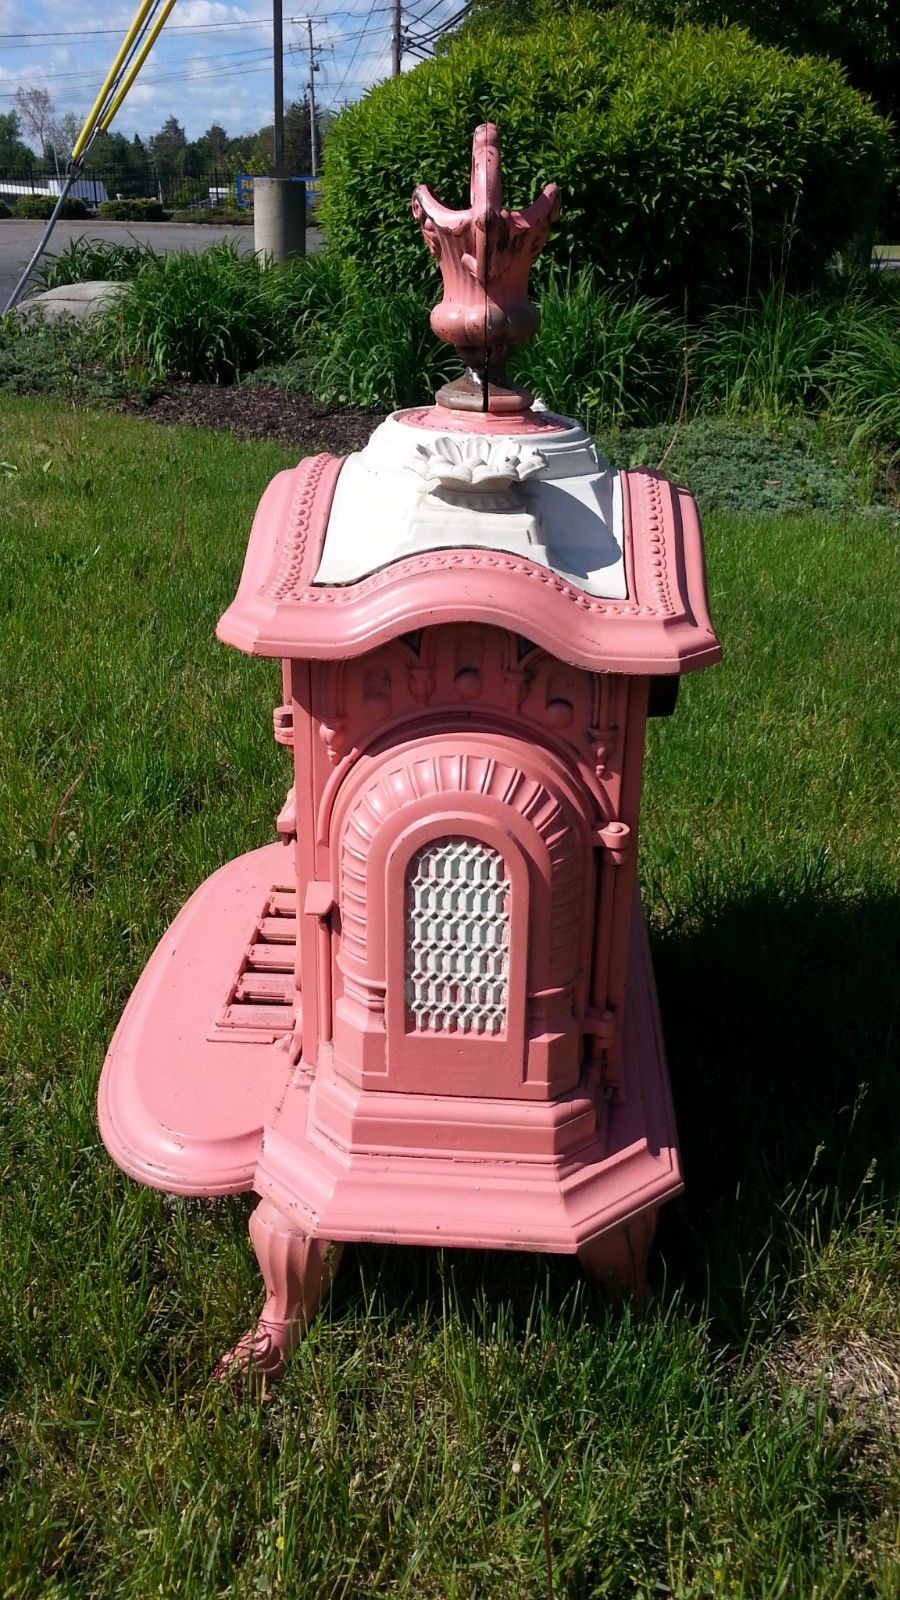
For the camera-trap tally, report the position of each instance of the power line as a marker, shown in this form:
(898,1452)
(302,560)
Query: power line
(441,29)
(31,41)
(84,75)
(365,27)
(421,18)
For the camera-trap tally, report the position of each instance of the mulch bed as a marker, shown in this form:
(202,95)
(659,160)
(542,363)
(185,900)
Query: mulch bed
(258,411)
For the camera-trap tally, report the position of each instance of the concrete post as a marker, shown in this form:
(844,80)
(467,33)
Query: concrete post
(279,218)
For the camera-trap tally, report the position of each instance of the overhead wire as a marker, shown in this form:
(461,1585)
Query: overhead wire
(339,90)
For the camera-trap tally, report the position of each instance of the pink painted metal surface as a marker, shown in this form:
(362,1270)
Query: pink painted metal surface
(440,419)
(485,254)
(663,625)
(428,1016)
(199,1064)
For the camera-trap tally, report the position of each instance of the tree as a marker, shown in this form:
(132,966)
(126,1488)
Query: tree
(15,156)
(62,133)
(168,149)
(35,109)
(217,144)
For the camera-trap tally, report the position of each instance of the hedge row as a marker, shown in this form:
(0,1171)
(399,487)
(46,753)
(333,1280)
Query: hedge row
(131,210)
(692,164)
(39,208)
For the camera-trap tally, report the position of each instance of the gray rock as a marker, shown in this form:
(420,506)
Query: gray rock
(82,301)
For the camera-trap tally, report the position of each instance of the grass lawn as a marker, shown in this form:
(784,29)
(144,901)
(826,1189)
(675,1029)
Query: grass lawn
(743,1439)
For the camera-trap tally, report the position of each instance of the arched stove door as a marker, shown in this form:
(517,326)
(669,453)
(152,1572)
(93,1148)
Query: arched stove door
(464,893)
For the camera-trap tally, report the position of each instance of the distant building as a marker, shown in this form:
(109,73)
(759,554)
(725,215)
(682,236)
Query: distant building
(91,190)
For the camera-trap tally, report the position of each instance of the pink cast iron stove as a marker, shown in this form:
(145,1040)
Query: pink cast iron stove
(427,1015)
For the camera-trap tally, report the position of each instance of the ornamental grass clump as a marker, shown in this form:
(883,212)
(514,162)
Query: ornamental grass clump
(349,343)
(204,317)
(86,260)
(604,355)
(865,374)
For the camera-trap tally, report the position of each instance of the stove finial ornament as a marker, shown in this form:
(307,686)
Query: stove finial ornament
(485,254)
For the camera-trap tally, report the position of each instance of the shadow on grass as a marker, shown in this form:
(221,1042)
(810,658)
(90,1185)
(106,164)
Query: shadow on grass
(779,1008)
(780,1013)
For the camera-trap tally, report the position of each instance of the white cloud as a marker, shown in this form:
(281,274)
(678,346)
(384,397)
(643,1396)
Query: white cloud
(220,73)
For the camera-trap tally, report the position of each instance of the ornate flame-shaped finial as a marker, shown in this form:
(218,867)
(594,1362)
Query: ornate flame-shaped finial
(485,254)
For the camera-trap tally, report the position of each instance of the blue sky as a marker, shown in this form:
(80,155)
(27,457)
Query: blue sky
(212,62)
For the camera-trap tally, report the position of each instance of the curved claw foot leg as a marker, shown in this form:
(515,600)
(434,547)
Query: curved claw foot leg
(297,1271)
(618,1260)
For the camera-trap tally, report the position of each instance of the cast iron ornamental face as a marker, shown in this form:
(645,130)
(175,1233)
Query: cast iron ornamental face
(485,254)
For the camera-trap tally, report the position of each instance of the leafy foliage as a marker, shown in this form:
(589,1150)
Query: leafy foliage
(604,355)
(4,210)
(862,34)
(215,216)
(203,316)
(752,467)
(353,347)
(15,156)
(57,358)
(692,164)
(39,208)
(131,210)
(85,260)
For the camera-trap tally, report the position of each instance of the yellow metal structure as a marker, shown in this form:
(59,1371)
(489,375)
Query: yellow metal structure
(135,67)
(100,115)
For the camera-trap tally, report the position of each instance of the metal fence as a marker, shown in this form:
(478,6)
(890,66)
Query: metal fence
(213,189)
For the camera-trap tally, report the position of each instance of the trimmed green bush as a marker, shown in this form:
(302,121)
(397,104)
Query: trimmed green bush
(39,208)
(217,215)
(692,164)
(131,211)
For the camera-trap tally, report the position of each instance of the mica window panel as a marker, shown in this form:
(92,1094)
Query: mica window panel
(457,938)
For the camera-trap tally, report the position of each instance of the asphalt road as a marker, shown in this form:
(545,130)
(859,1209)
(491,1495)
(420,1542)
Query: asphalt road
(19,239)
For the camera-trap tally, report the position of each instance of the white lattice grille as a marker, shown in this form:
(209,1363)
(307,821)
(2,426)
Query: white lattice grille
(457,938)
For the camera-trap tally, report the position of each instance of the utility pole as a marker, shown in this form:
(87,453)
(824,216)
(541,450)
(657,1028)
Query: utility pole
(278,79)
(307,23)
(313,152)
(396,37)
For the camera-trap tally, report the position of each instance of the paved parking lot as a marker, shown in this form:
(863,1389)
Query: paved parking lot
(19,239)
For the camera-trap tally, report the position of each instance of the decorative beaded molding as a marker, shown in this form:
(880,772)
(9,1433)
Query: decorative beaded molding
(457,938)
(652,559)
(663,625)
(292,563)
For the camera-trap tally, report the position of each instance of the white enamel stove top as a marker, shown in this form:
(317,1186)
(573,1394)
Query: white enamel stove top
(546,495)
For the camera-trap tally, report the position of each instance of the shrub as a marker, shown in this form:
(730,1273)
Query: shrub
(836,352)
(56,358)
(87,260)
(864,375)
(216,214)
(602,355)
(131,210)
(692,164)
(350,345)
(201,316)
(4,210)
(39,208)
(768,358)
